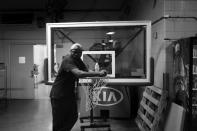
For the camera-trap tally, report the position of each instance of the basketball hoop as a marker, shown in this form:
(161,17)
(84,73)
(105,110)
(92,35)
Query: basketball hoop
(92,88)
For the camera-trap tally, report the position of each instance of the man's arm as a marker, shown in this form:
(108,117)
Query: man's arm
(81,74)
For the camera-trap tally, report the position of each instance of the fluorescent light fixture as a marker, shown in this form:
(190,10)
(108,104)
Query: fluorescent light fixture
(111,40)
(110,33)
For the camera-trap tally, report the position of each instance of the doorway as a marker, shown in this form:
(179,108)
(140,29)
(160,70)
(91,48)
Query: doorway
(41,90)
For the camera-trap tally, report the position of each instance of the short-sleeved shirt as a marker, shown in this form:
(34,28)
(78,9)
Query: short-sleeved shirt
(64,84)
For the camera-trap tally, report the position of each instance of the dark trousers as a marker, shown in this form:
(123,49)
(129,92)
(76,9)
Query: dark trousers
(64,114)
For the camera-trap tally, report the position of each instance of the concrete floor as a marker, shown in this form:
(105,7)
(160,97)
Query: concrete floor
(35,115)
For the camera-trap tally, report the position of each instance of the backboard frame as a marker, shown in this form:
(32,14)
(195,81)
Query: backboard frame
(114,81)
(112,53)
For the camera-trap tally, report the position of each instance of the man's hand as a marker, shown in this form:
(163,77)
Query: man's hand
(103,73)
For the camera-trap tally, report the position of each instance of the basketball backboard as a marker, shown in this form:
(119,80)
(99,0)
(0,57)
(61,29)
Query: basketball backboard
(128,44)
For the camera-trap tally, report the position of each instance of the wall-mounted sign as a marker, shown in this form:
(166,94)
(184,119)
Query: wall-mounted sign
(21,60)
(109,96)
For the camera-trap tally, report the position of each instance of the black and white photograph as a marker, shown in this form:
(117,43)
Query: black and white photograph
(98,65)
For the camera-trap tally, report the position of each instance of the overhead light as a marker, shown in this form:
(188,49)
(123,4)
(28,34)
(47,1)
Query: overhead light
(110,33)
(111,40)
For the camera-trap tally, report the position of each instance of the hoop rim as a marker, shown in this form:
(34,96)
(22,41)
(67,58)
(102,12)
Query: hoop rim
(89,79)
(96,77)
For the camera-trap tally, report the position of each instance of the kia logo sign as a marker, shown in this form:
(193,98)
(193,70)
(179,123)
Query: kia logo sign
(109,96)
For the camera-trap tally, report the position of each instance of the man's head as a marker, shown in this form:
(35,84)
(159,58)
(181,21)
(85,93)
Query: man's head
(76,50)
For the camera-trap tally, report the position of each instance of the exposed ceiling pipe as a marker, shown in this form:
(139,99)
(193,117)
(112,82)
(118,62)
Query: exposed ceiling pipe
(173,17)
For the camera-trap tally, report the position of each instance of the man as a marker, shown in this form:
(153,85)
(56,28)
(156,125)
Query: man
(63,99)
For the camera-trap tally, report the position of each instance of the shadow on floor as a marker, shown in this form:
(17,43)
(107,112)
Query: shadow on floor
(35,115)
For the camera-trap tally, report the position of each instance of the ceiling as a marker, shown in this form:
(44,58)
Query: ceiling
(22,11)
(65,5)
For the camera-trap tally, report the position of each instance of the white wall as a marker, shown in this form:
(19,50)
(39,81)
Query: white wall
(181,28)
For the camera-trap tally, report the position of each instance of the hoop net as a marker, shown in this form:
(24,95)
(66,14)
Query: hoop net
(92,90)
